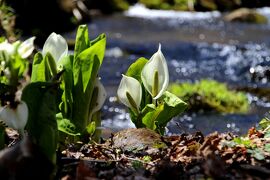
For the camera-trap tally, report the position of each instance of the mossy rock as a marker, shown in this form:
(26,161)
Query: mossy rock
(246,15)
(210,95)
(138,140)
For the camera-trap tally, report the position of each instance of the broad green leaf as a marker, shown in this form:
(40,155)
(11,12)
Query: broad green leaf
(82,40)
(67,86)
(82,95)
(99,47)
(134,71)
(44,68)
(135,68)
(40,98)
(173,106)
(66,126)
(84,61)
(99,38)
(150,114)
(38,69)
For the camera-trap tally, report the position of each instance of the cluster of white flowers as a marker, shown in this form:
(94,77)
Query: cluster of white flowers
(16,118)
(155,78)
(24,49)
(57,46)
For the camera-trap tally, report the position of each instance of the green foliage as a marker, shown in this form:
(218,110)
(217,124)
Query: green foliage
(41,126)
(13,67)
(264,123)
(78,75)
(80,72)
(43,68)
(211,95)
(154,116)
(243,141)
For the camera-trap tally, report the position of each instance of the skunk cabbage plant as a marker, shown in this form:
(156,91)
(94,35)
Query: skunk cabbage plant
(157,106)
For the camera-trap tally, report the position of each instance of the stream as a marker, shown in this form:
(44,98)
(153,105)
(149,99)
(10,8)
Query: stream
(197,46)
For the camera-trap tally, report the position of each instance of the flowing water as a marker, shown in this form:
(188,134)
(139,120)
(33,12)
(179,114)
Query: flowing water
(196,46)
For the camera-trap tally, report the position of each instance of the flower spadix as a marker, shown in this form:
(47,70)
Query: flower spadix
(155,75)
(130,92)
(15,118)
(26,48)
(56,45)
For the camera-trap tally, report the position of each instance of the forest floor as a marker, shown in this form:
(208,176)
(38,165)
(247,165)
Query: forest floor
(142,154)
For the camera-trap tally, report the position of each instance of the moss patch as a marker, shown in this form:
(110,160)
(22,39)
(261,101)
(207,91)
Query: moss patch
(211,95)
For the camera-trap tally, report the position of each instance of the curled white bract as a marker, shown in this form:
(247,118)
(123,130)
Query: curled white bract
(26,48)
(15,118)
(131,86)
(101,96)
(56,45)
(156,66)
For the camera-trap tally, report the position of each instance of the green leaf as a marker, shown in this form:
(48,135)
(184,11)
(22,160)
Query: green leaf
(82,95)
(156,118)
(99,47)
(91,128)
(38,68)
(243,141)
(83,63)
(135,68)
(66,126)
(40,98)
(173,106)
(82,40)
(150,115)
(264,123)
(67,86)
(134,71)
(43,69)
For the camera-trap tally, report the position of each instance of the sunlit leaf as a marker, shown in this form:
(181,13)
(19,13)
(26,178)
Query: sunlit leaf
(40,98)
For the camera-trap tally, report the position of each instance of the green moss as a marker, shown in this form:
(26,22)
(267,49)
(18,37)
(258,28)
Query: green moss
(211,95)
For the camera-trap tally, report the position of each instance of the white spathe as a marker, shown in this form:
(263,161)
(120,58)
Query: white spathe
(101,97)
(56,45)
(26,48)
(6,46)
(15,118)
(133,87)
(157,63)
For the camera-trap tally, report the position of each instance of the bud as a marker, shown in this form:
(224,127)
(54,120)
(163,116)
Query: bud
(56,45)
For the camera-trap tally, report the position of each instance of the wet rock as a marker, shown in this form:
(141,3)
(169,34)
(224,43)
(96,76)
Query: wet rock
(246,15)
(138,140)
